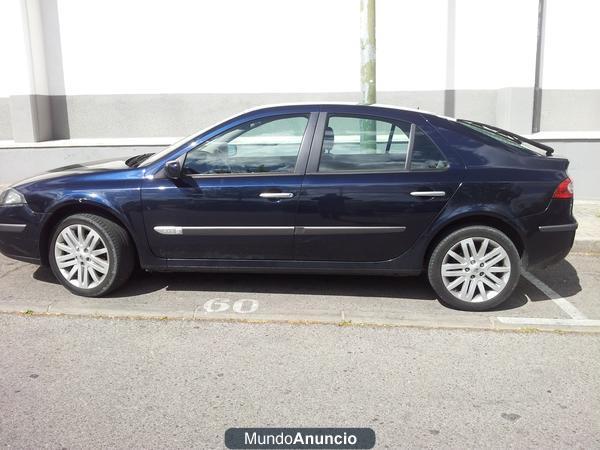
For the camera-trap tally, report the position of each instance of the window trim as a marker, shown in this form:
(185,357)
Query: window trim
(301,160)
(314,160)
(411,145)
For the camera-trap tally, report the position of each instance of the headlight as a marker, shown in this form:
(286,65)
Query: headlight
(11,197)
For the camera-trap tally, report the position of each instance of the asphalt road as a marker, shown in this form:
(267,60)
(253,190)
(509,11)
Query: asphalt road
(91,383)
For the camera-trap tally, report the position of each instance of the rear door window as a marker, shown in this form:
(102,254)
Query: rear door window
(365,144)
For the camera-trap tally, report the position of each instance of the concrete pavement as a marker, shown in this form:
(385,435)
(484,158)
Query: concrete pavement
(587,238)
(563,297)
(89,383)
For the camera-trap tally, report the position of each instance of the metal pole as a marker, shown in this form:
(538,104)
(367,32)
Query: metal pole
(367,52)
(539,65)
(368,86)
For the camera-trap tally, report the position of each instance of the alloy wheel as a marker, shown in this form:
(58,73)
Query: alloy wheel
(476,269)
(81,256)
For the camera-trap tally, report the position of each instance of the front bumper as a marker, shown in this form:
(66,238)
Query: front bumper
(20,229)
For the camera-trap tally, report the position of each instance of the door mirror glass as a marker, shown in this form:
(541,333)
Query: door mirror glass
(173,169)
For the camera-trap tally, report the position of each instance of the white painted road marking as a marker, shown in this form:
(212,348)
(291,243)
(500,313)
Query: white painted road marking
(216,305)
(238,306)
(561,302)
(241,306)
(542,321)
(578,319)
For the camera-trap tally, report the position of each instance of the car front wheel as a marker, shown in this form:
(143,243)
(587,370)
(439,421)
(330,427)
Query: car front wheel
(474,268)
(91,255)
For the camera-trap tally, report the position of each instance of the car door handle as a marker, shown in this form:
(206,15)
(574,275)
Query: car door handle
(276,195)
(428,193)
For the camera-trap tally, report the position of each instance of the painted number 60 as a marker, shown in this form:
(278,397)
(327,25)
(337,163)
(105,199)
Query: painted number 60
(242,306)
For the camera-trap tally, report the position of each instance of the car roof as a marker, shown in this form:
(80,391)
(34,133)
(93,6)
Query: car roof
(357,107)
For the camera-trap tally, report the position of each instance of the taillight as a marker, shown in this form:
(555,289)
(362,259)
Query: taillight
(564,189)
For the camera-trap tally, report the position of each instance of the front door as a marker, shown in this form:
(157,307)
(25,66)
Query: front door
(237,197)
(373,186)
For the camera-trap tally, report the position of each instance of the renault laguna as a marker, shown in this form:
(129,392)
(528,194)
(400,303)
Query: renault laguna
(322,189)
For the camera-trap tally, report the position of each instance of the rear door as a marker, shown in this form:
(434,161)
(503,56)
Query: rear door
(373,185)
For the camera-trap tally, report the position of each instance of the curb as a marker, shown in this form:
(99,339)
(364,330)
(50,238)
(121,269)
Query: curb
(477,323)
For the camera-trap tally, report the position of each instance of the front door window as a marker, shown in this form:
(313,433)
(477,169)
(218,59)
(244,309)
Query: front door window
(263,146)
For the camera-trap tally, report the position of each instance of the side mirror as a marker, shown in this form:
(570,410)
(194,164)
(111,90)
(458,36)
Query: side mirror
(231,150)
(173,169)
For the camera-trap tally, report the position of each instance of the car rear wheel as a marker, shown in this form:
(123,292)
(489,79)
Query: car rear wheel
(91,255)
(474,268)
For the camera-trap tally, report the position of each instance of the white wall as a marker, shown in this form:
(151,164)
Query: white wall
(495,43)
(180,46)
(572,47)
(242,46)
(411,45)
(157,46)
(14,72)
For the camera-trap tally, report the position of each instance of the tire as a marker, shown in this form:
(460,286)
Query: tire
(95,269)
(499,260)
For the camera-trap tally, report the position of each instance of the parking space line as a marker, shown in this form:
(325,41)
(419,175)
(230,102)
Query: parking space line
(561,302)
(543,321)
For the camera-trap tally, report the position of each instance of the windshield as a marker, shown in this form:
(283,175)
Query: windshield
(179,143)
(156,156)
(506,138)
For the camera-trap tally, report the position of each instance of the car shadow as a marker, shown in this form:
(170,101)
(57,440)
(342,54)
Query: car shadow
(367,287)
(561,277)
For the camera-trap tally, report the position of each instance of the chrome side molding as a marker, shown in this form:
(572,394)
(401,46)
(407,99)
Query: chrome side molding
(348,230)
(271,231)
(428,193)
(169,230)
(12,227)
(276,195)
(225,231)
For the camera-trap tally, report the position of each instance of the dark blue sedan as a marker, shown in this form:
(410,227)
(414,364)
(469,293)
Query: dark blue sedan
(344,189)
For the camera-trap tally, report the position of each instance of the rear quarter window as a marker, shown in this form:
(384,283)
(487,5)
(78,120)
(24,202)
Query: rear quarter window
(425,154)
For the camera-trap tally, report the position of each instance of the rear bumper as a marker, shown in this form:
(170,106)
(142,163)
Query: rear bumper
(558,228)
(20,233)
(551,235)
(548,246)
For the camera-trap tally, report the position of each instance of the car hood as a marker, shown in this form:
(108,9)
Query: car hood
(104,165)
